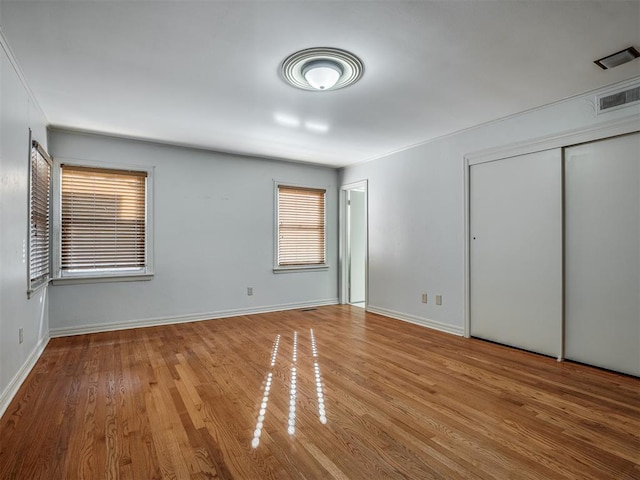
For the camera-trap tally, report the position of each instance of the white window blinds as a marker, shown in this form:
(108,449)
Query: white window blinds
(39,216)
(301,226)
(103,220)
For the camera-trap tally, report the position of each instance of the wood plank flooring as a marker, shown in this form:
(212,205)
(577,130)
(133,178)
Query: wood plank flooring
(329,393)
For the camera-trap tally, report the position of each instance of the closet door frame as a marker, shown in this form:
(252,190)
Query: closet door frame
(598,132)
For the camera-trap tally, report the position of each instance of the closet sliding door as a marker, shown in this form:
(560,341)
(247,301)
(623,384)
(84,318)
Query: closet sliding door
(602,253)
(516,251)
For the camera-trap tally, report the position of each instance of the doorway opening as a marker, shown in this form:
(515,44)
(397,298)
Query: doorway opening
(354,244)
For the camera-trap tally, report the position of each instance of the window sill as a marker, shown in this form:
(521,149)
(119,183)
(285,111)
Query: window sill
(142,277)
(302,268)
(31,293)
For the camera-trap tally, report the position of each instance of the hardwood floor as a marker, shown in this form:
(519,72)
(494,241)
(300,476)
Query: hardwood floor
(372,398)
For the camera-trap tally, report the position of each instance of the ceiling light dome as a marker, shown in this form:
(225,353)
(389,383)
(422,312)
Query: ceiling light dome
(322,74)
(322,69)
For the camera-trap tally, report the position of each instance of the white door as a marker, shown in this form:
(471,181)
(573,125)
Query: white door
(602,263)
(353,243)
(516,251)
(357,246)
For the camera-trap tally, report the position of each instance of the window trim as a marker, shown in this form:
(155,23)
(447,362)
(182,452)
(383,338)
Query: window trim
(78,278)
(296,268)
(33,287)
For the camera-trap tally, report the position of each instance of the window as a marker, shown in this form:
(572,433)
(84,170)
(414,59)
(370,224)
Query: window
(39,217)
(103,222)
(301,227)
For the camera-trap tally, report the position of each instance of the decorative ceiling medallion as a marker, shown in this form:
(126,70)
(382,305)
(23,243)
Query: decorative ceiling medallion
(322,69)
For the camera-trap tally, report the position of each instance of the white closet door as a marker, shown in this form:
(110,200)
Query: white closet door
(516,251)
(602,202)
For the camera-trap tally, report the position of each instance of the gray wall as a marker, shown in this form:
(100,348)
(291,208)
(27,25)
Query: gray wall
(18,113)
(416,210)
(213,238)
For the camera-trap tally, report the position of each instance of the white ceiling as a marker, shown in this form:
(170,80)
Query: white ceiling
(205,73)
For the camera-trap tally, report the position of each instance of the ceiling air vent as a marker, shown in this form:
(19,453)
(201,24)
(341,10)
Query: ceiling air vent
(613,101)
(618,58)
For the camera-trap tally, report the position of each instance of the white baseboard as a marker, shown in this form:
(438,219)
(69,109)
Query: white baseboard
(154,322)
(21,376)
(424,322)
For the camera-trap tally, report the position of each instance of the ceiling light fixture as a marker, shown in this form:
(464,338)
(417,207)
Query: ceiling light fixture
(322,74)
(321,69)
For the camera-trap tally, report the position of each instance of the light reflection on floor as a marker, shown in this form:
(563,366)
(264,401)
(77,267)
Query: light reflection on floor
(294,370)
(265,395)
(316,370)
(292,389)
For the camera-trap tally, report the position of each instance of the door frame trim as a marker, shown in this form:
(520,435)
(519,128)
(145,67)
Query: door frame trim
(344,240)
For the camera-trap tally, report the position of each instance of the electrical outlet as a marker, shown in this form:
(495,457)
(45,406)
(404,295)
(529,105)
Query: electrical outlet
(20,335)
(438,299)
(249,291)
(424,298)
